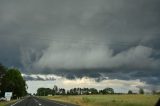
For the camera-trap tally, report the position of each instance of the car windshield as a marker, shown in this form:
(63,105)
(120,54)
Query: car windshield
(79,52)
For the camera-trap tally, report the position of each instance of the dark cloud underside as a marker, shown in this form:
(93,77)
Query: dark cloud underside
(76,38)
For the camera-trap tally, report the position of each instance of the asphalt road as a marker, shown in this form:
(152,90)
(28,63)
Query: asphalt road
(34,101)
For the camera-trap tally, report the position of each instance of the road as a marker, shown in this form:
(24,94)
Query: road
(35,101)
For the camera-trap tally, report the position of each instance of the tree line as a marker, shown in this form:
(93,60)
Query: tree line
(82,91)
(73,91)
(11,80)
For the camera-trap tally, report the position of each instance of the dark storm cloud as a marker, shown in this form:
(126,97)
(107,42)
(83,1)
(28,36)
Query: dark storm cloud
(119,39)
(37,77)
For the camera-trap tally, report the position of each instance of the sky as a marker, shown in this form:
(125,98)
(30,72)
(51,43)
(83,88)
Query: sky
(102,42)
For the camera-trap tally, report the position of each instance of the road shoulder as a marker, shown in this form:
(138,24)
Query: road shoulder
(62,103)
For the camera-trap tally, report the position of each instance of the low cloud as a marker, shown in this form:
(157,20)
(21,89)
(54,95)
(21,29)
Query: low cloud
(78,60)
(39,77)
(82,56)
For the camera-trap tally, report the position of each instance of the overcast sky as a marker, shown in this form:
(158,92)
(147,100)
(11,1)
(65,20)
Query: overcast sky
(117,39)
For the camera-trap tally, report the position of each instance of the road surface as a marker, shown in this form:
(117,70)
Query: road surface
(34,101)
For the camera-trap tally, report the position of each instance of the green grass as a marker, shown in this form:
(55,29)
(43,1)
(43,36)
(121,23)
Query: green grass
(109,100)
(7,103)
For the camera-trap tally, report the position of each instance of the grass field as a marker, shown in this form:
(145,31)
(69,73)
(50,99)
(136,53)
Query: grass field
(6,103)
(109,100)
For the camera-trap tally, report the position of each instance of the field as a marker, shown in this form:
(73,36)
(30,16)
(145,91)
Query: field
(109,100)
(7,103)
(2,103)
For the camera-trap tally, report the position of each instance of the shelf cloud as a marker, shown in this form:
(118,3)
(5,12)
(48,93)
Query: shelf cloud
(82,38)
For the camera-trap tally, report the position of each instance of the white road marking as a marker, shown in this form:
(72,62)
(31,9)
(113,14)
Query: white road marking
(17,102)
(52,100)
(37,102)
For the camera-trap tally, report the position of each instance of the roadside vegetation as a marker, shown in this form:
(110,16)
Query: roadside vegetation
(108,100)
(5,103)
(11,80)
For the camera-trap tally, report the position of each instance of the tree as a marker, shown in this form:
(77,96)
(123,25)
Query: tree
(141,91)
(56,89)
(62,91)
(108,91)
(85,91)
(41,92)
(3,70)
(93,91)
(14,82)
(53,92)
(73,91)
(130,92)
(45,92)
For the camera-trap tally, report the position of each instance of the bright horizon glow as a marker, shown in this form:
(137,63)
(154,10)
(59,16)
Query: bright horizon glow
(120,86)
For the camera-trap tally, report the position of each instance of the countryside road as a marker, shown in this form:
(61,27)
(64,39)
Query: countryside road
(34,101)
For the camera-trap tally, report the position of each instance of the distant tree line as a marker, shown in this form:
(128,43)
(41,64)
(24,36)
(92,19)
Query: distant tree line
(82,91)
(141,91)
(73,91)
(12,81)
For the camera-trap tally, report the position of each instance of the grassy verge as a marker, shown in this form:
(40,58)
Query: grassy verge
(7,103)
(109,100)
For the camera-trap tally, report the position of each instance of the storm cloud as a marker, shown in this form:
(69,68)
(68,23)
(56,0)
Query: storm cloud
(77,38)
